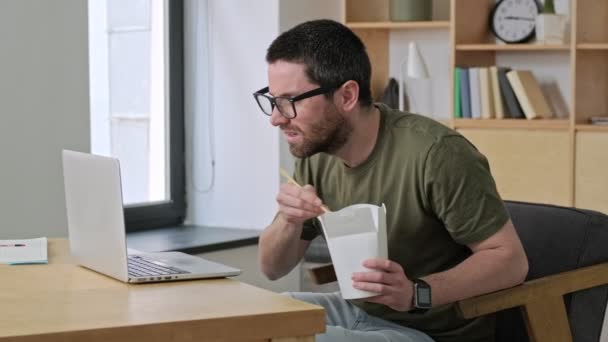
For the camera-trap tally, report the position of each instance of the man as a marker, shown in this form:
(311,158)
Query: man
(448,230)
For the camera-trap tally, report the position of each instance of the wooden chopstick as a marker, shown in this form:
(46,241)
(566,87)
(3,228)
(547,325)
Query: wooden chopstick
(293,181)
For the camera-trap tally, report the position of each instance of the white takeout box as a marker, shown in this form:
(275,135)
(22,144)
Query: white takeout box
(354,234)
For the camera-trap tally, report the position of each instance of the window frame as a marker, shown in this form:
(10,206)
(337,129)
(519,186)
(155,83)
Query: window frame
(171,212)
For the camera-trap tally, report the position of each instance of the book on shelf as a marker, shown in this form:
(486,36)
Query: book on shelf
(513,109)
(475,95)
(465,92)
(485,93)
(528,93)
(490,97)
(499,110)
(457,97)
(498,92)
(598,120)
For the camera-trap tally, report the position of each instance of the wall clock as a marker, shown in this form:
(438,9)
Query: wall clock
(513,21)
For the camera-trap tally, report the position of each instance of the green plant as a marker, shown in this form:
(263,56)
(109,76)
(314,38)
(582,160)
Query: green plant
(549,7)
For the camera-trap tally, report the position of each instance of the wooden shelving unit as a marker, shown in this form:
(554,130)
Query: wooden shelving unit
(522,153)
(590,155)
(592,128)
(511,47)
(371,21)
(553,124)
(559,161)
(413,25)
(592,46)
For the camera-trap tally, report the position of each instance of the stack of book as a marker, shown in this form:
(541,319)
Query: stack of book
(598,120)
(498,93)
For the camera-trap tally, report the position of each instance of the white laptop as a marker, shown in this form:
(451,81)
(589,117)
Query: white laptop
(96,228)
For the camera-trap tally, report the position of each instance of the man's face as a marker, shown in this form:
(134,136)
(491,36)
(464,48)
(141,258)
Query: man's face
(318,126)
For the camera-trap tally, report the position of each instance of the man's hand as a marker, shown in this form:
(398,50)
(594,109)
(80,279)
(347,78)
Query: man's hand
(281,246)
(388,280)
(298,204)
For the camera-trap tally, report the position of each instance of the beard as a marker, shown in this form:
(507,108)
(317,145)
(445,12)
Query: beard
(327,135)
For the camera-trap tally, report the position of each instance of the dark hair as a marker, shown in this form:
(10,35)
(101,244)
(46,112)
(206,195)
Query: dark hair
(332,53)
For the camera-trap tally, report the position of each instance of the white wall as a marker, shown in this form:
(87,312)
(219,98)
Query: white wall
(244,146)
(44,107)
(246,149)
(293,12)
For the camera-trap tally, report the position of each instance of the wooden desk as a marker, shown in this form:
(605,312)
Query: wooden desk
(64,302)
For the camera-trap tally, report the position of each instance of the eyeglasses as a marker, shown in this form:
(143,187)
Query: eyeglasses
(285,104)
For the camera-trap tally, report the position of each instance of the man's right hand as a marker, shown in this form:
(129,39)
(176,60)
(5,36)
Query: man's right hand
(298,204)
(281,247)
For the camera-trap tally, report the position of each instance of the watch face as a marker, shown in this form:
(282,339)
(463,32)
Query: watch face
(513,21)
(422,295)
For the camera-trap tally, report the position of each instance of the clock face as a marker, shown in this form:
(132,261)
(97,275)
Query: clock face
(513,21)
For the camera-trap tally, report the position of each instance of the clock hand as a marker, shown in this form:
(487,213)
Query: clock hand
(519,18)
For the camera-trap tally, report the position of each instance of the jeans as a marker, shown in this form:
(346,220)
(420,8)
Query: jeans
(347,323)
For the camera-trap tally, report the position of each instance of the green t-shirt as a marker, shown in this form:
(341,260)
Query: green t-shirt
(439,195)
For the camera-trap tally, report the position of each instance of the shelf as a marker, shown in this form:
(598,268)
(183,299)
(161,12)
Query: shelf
(591,128)
(592,46)
(399,25)
(511,47)
(445,122)
(543,124)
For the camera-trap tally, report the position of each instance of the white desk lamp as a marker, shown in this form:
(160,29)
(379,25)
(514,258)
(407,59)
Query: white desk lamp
(416,68)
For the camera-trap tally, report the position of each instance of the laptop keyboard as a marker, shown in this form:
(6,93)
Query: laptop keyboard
(140,267)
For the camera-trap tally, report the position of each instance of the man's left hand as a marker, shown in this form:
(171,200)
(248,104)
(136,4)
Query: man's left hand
(388,279)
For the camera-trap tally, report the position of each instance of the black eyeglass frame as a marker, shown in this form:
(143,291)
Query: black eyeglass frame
(291,99)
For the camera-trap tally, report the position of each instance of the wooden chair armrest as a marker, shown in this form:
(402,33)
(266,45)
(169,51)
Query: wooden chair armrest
(322,274)
(541,300)
(550,286)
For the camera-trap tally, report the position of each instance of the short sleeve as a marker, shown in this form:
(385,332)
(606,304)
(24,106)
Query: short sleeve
(460,188)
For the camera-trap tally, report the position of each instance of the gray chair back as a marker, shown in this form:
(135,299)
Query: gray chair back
(558,239)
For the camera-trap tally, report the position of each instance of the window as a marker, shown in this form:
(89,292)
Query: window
(137,107)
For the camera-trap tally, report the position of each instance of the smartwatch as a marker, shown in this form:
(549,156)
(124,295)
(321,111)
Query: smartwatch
(421,300)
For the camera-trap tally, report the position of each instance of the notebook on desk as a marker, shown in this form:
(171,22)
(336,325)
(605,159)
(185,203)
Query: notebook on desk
(23,251)
(97,234)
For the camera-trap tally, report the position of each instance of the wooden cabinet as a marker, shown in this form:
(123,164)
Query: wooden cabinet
(590,53)
(537,154)
(591,170)
(561,161)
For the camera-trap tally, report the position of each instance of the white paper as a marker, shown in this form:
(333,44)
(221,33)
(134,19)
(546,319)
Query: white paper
(354,234)
(27,251)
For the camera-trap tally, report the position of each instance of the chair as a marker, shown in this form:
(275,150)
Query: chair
(565,293)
